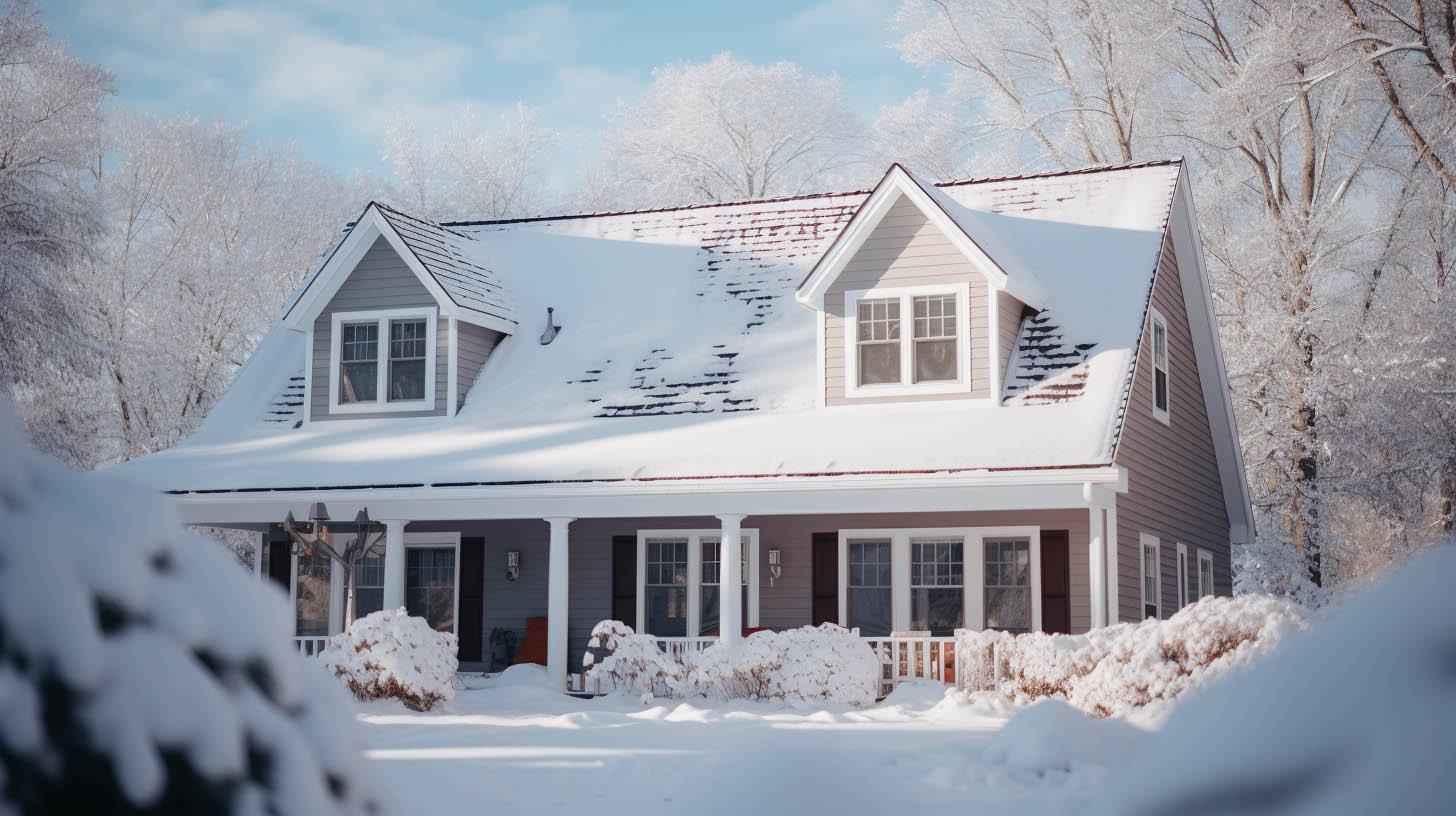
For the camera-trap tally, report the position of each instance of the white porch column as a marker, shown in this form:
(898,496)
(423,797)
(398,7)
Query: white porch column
(556,605)
(394,563)
(1097,559)
(730,567)
(336,597)
(1111,534)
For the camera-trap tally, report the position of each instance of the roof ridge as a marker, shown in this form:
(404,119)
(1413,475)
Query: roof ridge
(418,219)
(702,205)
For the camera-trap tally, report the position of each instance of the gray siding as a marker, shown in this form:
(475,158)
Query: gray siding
(786,604)
(905,249)
(475,345)
(1174,492)
(380,281)
(1008,310)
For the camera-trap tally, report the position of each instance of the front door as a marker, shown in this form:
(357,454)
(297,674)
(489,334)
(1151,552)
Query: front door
(624,579)
(826,578)
(472,598)
(1056,602)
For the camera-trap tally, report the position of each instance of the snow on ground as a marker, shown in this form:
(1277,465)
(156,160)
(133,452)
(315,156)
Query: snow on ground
(513,746)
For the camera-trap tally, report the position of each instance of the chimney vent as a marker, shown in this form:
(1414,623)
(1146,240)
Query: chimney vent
(551,328)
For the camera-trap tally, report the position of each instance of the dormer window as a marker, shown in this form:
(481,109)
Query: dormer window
(913,340)
(384,361)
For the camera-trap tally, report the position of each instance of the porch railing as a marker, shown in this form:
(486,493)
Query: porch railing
(930,658)
(310,646)
(684,649)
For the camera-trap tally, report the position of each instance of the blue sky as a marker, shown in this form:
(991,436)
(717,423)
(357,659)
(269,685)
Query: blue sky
(328,74)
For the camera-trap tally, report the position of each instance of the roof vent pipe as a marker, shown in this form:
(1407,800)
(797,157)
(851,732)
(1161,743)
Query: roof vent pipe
(551,328)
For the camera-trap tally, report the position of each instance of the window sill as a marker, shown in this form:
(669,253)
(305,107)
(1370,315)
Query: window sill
(902,390)
(382,407)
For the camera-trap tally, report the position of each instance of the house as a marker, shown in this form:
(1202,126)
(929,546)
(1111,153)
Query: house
(987,403)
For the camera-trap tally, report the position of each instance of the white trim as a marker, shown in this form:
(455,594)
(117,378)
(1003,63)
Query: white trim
(452,368)
(748,536)
(778,495)
(972,576)
(906,296)
(1156,321)
(1180,573)
(1145,541)
(993,341)
(822,320)
(382,317)
(895,183)
(441,540)
(1205,555)
(308,378)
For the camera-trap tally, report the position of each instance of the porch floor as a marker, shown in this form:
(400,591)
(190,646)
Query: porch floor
(525,749)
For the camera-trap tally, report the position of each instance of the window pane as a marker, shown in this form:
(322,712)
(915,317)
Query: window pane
(368,585)
(429,585)
(941,611)
(879,363)
(665,595)
(359,342)
(358,382)
(1160,389)
(312,608)
(406,380)
(869,611)
(407,339)
(869,589)
(667,611)
(935,316)
(935,360)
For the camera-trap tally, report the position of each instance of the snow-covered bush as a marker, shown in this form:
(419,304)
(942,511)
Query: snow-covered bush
(390,655)
(142,671)
(1118,669)
(796,667)
(801,666)
(1356,716)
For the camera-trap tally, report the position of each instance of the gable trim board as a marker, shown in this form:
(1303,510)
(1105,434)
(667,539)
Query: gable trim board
(370,226)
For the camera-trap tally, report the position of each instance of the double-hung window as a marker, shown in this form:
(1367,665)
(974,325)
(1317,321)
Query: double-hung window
(382,361)
(937,585)
(1205,573)
(711,593)
(680,585)
(907,340)
(1008,584)
(869,591)
(1159,331)
(666,593)
(1150,577)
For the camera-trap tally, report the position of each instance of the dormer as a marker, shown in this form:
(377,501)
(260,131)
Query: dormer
(401,318)
(913,304)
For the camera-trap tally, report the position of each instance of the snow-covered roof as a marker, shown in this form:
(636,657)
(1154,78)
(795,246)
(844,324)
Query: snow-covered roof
(683,353)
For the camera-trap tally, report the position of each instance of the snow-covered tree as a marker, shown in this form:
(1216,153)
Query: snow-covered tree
(142,672)
(727,129)
(469,171)
(50,122)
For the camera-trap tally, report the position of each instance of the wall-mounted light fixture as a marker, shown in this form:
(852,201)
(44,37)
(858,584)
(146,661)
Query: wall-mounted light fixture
(513,565)
(775,564)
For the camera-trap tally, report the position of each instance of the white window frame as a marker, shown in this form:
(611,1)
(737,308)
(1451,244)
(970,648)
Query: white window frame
(383,317)
(1204,556)
(749,542)
(1147,541)
(1180,569)
(973,569)
(907,386)
(1156,321)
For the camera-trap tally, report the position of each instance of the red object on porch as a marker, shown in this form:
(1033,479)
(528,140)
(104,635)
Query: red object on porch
(533,649)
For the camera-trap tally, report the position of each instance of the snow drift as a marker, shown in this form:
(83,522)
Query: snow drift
(390,655)
(1119,669)
(140,669)
(797,667)
(1357,716)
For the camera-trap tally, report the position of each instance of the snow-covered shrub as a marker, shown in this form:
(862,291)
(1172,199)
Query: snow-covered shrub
(801,666)
(1118,669)
(142,671)
(390,655)
(634,664)
(1357,716)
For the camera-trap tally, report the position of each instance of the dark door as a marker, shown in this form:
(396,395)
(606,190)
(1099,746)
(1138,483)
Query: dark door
(826,578)
(1056,578)
(624,579)
(280,564)
(472,599)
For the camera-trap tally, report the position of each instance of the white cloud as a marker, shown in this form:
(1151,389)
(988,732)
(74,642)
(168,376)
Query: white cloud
(546,33)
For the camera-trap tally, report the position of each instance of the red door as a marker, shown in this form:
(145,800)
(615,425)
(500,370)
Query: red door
(1056,602)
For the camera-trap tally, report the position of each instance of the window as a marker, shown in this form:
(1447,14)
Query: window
(1150,578)
(1205,573)
(869,586)
(935,338)
(368,585)
(712,578)
(680,577)
(937,585)
(1160,366)
(429,585)
(1008,584)
(382,361)
(311,594)
(1182,568)
(406,360)
(907,341)
(359,362)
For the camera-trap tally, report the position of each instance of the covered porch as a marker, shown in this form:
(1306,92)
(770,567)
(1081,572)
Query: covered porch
(903,560)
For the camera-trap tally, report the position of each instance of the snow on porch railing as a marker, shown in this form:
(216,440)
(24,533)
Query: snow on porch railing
(921,656)
(683,649)
(310,646)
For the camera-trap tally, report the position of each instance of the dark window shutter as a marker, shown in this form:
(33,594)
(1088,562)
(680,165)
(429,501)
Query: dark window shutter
(1056,579)
(826,578)
(280,564)
(472,598)
(624,579)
